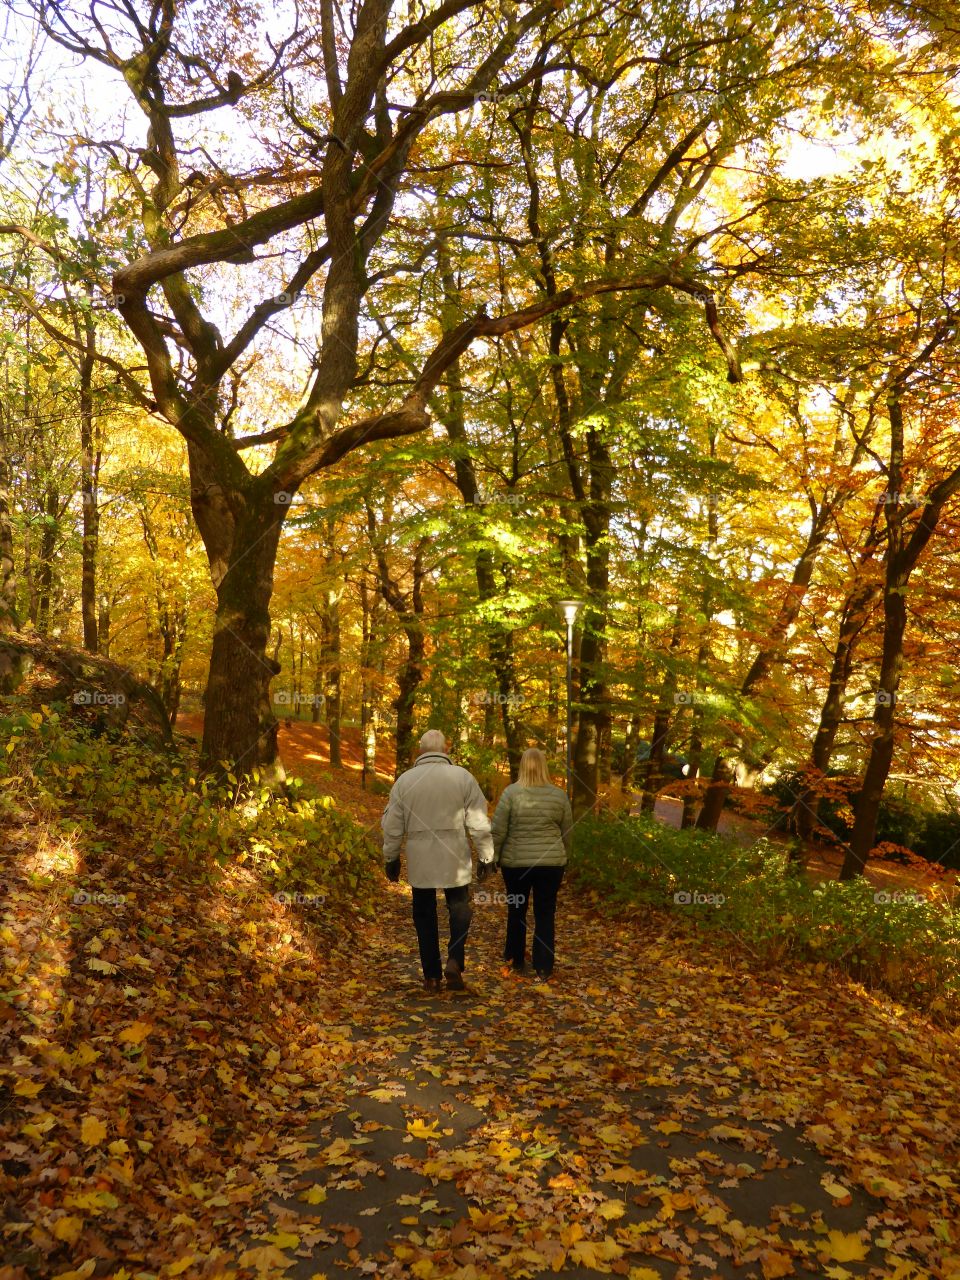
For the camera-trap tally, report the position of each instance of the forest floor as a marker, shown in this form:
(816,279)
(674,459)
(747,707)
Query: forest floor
(216,1084)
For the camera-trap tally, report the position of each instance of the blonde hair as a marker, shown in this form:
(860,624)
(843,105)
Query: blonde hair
(533,769)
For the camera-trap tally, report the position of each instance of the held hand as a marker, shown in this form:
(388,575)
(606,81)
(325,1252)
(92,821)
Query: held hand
(483,870)
(392,870)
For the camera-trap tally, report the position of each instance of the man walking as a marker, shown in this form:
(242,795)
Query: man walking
(437,810)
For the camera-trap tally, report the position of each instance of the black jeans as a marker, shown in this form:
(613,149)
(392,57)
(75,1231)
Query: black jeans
(428,931)
(543,885)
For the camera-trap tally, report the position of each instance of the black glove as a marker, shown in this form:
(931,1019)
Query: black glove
(392,870)
(483,870)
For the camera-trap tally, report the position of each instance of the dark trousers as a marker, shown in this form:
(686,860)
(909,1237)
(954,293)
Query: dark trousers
(428,930)
(543,885)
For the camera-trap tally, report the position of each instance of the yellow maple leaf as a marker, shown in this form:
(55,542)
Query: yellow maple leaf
(316,1195)
(421,1130)
(643,1273)
(284,1239)
(846,1247)
(611,1209)
(136,1033)
(177,1268)
(28,1088)
(92,1131)
(67,1228)
(774,1264)
(668,1126)
(265,1258)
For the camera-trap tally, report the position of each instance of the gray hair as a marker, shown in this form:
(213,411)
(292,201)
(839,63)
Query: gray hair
(433,740)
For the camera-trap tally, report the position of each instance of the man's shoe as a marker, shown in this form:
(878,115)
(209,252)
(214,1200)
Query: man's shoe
(542,975)
(431,986)
(453,975)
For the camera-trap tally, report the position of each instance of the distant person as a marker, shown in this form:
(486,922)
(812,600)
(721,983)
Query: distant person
(532,832)
(436,811)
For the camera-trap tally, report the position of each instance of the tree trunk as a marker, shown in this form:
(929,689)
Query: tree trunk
(89,475)
(330,662)
(694,757)
(48,546)
(856,611)
(8,581)
(239,728)
(103,625)
(884,720)
(371,602)
(653,773)
(630,753)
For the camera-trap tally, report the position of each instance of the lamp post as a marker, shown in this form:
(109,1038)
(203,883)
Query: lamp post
(570,609)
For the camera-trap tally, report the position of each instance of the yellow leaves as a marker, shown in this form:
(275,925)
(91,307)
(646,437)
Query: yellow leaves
(101,966)
(178,1268)
(284,1239)
(668,1126)
(136,1033)
(643,1273)
(382,1095)
(80,1273)
(625,1174)
(184,1132)
(28,1088)
(878,1185)
(67,1229)
(425,1131)
(845,1247)
(610,1210)
(92,1131)
(315,1195)
(595,1254)
(94,1201)
(265,1258)
(777,1031)
(840,1193)
(775,1264)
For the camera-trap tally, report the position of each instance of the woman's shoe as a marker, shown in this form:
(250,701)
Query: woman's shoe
(542,975)
(453,975)
(431,986)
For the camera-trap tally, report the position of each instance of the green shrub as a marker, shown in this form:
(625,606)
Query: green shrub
(907,942)
(92,787)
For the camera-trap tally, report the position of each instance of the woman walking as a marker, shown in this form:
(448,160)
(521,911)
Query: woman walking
(532,829)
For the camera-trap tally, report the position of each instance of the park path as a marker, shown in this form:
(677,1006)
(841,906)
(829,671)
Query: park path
(638,1115)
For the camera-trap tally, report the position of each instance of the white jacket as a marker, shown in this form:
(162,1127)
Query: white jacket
(439,809)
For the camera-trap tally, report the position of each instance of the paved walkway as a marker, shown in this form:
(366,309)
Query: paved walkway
(620,1119)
